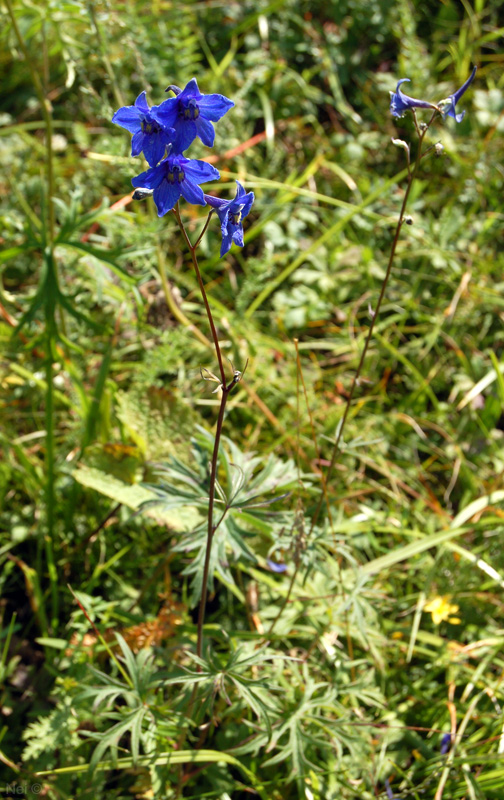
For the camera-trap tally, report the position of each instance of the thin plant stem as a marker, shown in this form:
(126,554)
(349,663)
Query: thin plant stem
(400,221)
(225,389)
(205,226)
(211,527)
(215,338)
(49,489)
(50,495)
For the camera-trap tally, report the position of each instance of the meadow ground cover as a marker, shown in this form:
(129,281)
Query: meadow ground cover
(250,540)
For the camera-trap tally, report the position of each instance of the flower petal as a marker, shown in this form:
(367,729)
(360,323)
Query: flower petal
(224,218)
(399,102)
(150,179)
(173,88)
(273,565)
(165,197)
(141,102)
(200,171)
(166,113)
(128,117)
(186,134)
(205,131)
(214,106)
(192,193)
(449,104)
(237,235)
(452,113)
(458,94)
(240,191)
(137,143)
(154,148)
(248,202)
(190,90)
(226,244)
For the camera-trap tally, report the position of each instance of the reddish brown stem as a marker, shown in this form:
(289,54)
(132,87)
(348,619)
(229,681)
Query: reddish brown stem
(225,388)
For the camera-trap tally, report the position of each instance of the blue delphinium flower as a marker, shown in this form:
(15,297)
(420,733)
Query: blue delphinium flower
(448,106)
(399,102)
(275,567)
(149,135)
(191,114)
(231,215)
(176,176)
(390,793)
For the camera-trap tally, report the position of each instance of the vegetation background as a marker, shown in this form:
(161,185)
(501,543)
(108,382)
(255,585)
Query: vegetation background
(391,626)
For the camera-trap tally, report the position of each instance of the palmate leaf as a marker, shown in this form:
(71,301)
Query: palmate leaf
(109,740)
(239,506)
(229,539)
(137,689)
(313,724)
(236,676)
(251,480)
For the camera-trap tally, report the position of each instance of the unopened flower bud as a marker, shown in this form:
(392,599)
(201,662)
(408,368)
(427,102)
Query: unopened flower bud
(408,219)
(141,194)
(401,143)
(439,148)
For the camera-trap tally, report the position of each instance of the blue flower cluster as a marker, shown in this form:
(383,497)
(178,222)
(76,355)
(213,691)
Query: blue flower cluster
(399,102)
(163,133)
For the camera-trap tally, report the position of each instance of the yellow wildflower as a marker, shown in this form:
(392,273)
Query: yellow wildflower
(441,608)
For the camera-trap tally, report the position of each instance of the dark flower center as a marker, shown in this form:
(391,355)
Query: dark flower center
(175,175)
(149,126)
(189,109)
(235,219)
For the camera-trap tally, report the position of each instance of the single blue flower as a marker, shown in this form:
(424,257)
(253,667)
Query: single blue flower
(231,215)
(388,790)
(176,176)
(149,135)
(399,102)
(191,114)
(276,567)
(445,744)
(448,106)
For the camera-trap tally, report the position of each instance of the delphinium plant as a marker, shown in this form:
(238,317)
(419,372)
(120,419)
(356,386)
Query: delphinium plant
(163,133)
